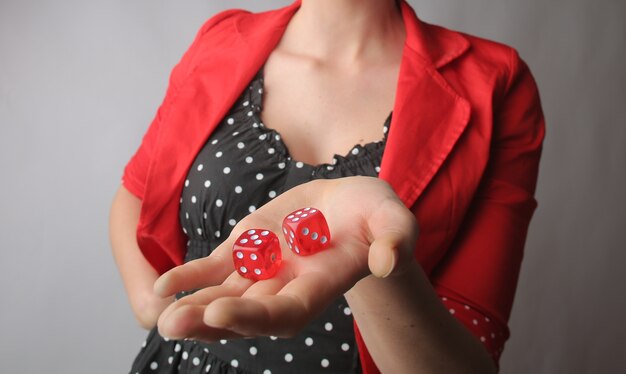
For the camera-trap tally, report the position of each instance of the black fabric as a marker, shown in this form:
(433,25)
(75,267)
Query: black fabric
(242,166)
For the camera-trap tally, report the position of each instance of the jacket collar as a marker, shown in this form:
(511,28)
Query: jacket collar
(428,115)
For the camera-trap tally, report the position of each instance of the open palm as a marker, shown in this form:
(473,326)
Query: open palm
(371,230)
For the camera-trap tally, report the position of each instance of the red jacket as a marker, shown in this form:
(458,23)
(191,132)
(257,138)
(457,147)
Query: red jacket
(462,152)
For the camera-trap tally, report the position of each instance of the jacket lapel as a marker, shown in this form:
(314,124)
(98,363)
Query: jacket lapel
(429,116)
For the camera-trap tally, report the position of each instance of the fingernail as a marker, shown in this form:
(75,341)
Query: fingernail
(392,263)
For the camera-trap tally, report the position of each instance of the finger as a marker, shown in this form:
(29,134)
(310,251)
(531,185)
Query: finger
(234,285)
(284,314)
(394,230)
(270,286)
(186,322)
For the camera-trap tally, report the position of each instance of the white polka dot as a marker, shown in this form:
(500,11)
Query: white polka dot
(240,145)
(234,363)
(208,368)
(377,168)
(205,215)
(154,365)
(249,160)
(272,194)
(195,361)
(177,347)
(345,347)
(273,337)
(299,164)
(236,133)
(222,341)
(271,151)
(267,371)
(200,167)
(251,208)
(207,183)
(355,151)
(240,254)
(232,222)
(245,103)
(277,137)
(214,141)
(281,165)
(185,355)
(288,357)
(238,189)
(170,360)
(226,170)
(143,345)
(347,311)
(260,90)
(187,183)
(330,168)
(259,176)
(385,129)
(230,121)
(308,341)
(250,114)
(194,199)
(218,234)
(325,363)
(219,154)
(243,269)
(253,351)
(262,137)
(328,326)
(184,230)
(199,230)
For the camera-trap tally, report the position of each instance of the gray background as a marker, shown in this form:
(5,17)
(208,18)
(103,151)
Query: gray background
(81,80)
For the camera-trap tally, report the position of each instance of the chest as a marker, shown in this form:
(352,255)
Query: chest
(320,110)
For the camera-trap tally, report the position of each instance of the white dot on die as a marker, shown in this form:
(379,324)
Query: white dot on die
(257,271)
(475,322)
(250,232)
(257,242)
(254,237)
(328,326)
(285,230)
(243,269)
(306,209)
(253,256)
(308,341)
(313,210)
(239,254)
(325,363)
(314,236)
(295,219)
(298,213)
(304,215)
(324,240)
(297,249)
(290,216)
(265,233)
(292,234)
(305,231)
(452,311)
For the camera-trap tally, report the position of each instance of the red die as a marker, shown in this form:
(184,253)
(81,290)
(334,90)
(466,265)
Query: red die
(306,231)
(257,255)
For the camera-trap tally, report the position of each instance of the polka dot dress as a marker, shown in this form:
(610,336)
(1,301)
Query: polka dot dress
(242,166)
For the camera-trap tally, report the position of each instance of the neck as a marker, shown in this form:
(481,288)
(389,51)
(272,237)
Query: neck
(345,31)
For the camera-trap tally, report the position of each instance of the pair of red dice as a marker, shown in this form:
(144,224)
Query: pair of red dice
(257,254)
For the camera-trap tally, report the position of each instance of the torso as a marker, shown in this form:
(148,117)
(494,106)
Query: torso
(322,110)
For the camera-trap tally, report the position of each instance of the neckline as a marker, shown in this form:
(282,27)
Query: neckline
(276,138)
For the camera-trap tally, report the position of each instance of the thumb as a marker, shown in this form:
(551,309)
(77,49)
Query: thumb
(395,235)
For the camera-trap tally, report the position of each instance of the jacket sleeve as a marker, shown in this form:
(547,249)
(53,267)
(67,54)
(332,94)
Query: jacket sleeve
(478,276)
(136,170)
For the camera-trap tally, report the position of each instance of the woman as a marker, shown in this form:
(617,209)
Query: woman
(449,123)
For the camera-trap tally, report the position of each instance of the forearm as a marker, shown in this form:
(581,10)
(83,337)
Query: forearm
(137,274)
(408,330)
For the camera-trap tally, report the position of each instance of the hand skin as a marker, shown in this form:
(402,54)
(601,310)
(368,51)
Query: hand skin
(137,274)
(404,324)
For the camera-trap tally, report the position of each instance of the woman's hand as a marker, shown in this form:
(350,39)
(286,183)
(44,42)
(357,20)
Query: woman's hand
(372,232)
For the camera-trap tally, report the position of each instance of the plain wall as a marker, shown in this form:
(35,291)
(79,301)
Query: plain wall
(81,80)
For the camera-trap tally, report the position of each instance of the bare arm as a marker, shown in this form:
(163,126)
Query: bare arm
(137,274)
